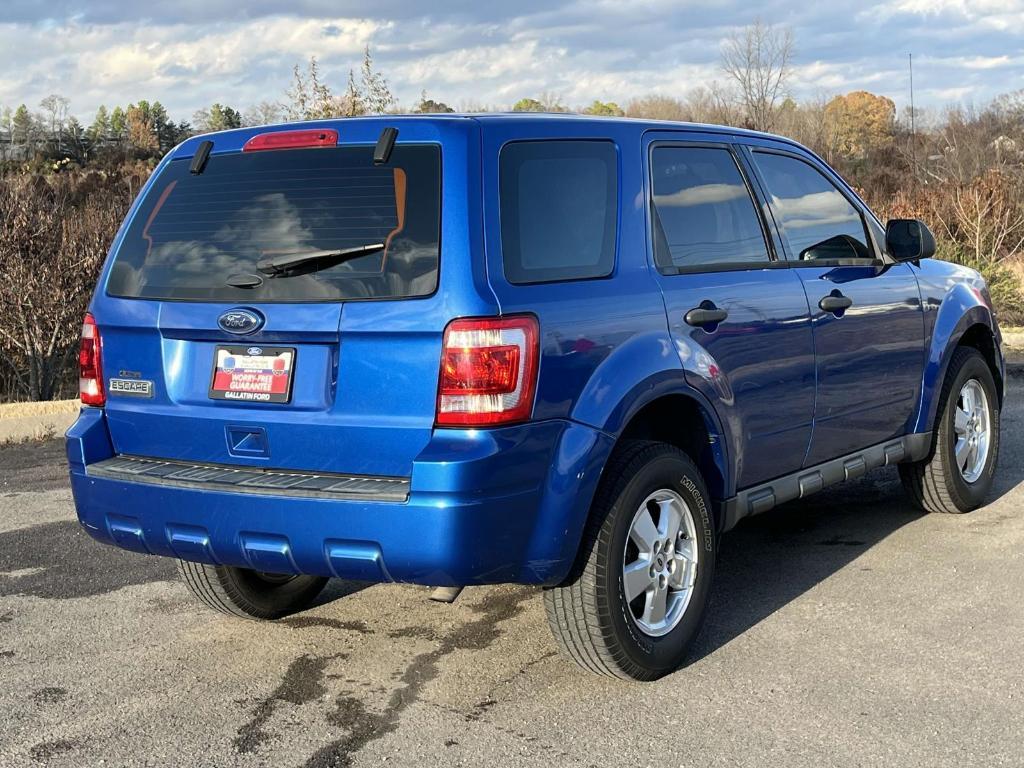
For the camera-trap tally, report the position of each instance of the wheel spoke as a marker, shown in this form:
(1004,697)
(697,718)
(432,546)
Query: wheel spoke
(670,520)
(654,610)
(967,395)
(963,453)
(636,579)
(683,577)
(960,420)
(644,532)
(684,550)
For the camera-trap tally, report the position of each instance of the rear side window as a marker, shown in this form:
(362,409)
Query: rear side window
(819,223)
(194,235)
(559,210)
(703,213)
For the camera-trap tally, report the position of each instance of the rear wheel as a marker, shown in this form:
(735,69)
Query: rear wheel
(636,597)
(249,594)
(958,475)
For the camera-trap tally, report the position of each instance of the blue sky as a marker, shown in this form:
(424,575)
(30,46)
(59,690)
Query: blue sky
(190,53)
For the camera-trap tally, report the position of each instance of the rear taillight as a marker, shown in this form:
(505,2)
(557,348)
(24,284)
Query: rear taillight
(90,365)
(488,371)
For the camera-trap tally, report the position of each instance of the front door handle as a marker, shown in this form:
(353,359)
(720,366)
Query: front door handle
(836,303)
(705,315)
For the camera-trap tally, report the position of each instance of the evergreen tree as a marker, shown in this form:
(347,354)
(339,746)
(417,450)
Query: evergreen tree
(217,118)
(23,127)
(77,143)
(168,133)
(118,124)
(99,131)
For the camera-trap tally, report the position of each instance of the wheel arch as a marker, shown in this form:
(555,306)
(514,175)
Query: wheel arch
(980,337)
(669,411)
(963,321)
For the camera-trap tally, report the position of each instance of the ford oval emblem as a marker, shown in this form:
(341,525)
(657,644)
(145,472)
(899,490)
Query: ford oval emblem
(240,321)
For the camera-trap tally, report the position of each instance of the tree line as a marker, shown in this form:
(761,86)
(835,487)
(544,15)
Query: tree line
(65,186)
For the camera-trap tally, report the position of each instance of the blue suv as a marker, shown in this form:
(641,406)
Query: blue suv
(551,350)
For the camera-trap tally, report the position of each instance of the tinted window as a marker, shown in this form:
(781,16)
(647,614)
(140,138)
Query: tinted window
(703,212)
(817,219)
(559,210)
(194,233)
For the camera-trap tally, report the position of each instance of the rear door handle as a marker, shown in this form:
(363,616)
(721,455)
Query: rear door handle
(836,303)
(702,316)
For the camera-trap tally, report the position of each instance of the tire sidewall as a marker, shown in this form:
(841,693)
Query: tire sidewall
(266,598)
(972,494)
(669,471)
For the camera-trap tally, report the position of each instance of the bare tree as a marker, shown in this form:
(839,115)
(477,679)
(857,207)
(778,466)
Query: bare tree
(377,96)
(264,113)
(310,98)
(352,103)
(657,107)
(56,108)
(808,123)
(759,60)
(711,104)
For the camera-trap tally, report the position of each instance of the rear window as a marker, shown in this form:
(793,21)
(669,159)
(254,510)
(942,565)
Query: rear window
(195,233)
(559,210)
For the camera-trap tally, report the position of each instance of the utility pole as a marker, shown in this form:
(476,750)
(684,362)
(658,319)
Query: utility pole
(913,124)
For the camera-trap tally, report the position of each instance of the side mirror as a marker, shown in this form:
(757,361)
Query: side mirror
(909,240)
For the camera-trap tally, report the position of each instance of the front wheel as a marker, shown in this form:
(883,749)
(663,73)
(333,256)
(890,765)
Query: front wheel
(249,594)
(635,600)
(958,475)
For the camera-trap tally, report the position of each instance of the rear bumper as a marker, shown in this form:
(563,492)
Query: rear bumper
(484,506)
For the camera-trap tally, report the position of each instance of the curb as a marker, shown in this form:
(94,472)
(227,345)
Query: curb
(20,422)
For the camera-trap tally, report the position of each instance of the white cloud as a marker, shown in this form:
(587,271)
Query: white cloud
(199,51)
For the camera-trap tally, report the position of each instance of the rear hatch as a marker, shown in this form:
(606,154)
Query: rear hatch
(328,363)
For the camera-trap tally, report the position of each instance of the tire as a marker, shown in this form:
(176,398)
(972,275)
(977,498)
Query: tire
(937,484)
(590,616)
(246,593)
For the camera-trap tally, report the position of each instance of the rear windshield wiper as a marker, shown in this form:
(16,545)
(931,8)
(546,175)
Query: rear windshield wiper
(282,265)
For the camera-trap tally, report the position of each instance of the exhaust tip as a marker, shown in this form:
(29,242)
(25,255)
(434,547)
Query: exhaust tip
(445,594)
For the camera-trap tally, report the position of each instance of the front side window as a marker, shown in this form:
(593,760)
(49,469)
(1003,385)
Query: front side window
(817,220)
(703,215)
(559,210)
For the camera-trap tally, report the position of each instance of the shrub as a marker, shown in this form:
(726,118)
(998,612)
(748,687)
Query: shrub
(54,234)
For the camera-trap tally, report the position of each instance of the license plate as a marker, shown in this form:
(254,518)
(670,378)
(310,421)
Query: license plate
(253,374)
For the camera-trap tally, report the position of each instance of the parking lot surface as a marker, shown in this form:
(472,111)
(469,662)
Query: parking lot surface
(844,630)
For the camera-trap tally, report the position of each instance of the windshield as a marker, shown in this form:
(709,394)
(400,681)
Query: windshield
(195,234)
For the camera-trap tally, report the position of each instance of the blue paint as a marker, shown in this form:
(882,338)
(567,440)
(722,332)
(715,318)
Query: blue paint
(780,384)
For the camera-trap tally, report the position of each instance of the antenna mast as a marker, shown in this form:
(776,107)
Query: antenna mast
(913,125)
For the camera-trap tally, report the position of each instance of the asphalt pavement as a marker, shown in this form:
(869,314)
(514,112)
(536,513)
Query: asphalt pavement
(846,630)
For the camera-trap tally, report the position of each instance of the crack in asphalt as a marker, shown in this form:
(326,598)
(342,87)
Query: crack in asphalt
(302,682)
(365,726)
(304,622)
